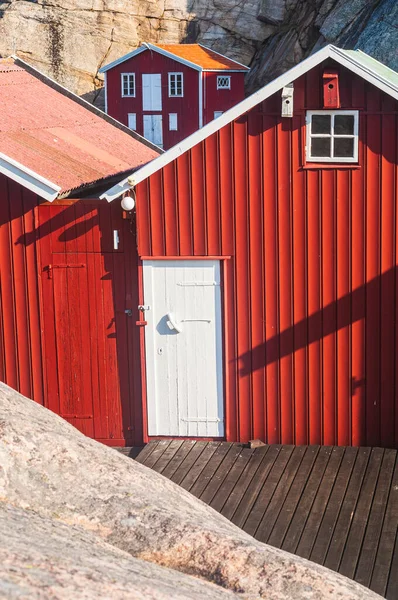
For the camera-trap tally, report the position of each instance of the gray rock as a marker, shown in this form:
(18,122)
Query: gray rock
(50,469)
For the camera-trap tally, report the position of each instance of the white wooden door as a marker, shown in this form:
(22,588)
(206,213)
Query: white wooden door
(183,340)
(153,129)
(151,91)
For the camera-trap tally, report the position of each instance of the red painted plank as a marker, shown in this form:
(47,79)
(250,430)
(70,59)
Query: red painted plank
(272,282)
(256,261)
(329,306)
(243,278)
(170,210)
(285,280)
(143,217)
(343,308)
(198,200)
(157,214)
(212,195)
(184,205)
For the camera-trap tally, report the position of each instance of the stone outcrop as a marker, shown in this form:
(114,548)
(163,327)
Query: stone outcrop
(55,483)
(71,39)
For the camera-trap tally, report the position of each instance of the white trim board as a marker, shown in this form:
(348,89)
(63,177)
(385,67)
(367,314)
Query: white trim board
(28,178)
(168,54)
(351,59)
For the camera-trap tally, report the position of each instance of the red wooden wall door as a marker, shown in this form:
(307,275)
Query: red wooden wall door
(87,274)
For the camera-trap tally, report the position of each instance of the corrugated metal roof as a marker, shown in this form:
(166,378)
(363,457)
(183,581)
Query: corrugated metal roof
(202,57)
(59,138)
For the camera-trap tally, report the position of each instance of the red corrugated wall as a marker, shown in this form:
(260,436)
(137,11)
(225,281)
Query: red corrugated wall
(310,290)
(20,344)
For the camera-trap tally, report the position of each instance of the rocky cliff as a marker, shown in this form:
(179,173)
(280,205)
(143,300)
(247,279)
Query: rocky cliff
(79,520)
(71,39)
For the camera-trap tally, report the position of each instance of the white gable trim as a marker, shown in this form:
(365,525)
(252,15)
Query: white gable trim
(28,178)
(122,59)
(247,104)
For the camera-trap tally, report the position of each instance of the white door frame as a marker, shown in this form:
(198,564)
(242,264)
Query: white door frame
(149,348)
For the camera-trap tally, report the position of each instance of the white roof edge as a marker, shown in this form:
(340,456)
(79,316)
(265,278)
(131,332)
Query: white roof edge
(122,59)
(27,178)
(244,106)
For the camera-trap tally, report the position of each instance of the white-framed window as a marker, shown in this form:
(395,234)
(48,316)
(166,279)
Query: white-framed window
(223,82)
(173,122)
(332,136)
(132,121)
(176,85)
(217,113)
(128,84)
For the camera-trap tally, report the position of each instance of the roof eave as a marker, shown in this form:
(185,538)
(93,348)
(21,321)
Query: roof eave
(29,179)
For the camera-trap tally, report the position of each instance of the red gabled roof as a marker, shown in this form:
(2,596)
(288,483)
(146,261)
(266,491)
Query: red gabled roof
(202,57)
(48,130)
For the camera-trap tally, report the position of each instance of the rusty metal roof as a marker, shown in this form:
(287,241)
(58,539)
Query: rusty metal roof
(59,136)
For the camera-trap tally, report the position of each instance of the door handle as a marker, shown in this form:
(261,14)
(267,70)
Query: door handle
(172,323)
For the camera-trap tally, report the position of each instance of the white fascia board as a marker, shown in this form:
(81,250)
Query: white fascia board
(222,55)
(348,61)
(122,59)
(244,106)
(183,61)
(116,191)
(28,178)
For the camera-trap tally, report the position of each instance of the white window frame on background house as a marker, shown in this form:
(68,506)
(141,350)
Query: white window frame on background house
(173,122)
(129,78)
(223,82)
(132,121)
(332,158)
(174,92)
(217,113)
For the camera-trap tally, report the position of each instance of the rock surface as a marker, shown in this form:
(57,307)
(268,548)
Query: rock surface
(71,39)
(66,481)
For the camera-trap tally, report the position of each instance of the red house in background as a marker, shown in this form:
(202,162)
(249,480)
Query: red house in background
(166,92)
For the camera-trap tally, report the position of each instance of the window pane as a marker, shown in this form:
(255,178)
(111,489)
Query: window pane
(344,147)
(344,124)
(321,124)
(320,146)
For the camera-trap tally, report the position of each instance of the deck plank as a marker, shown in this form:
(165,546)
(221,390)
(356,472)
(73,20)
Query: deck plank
(297,525)
(385,549)
(167,455)
(338,541)
(178,458)
(242,484)
(189,460)
(217,480)
(268,489)
(289,506)
(367,557)
(249,498)
(392,586)
(146,452)
(201,462)
(315,516)
(275,505)
(224,491)
(336,499)
(208,471)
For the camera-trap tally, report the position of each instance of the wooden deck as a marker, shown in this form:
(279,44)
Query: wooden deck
(335,506)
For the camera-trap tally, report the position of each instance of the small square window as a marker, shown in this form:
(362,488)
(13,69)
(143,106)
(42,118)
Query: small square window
(223,82)
(332,136)
(128,84)
(176,85)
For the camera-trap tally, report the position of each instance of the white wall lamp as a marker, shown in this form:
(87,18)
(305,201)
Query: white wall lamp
(128,201)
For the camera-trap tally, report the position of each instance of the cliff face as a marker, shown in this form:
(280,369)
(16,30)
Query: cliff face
(71,39)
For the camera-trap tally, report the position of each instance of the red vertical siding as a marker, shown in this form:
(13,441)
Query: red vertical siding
(221,100)
(310,323)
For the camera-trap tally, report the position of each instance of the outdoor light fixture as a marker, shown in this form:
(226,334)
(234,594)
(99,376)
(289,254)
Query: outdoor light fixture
(128,202)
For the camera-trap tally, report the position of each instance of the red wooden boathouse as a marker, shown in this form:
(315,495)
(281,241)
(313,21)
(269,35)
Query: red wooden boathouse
(290,199)
(165,92)
(265,273)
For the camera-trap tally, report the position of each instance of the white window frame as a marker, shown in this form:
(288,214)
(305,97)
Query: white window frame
(332,136)
(176,74)
(122,76)
(173,122)
(217,113)
(224,87)
(132,117)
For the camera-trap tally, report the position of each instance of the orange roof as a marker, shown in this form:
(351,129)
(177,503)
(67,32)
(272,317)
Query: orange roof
(202,57)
